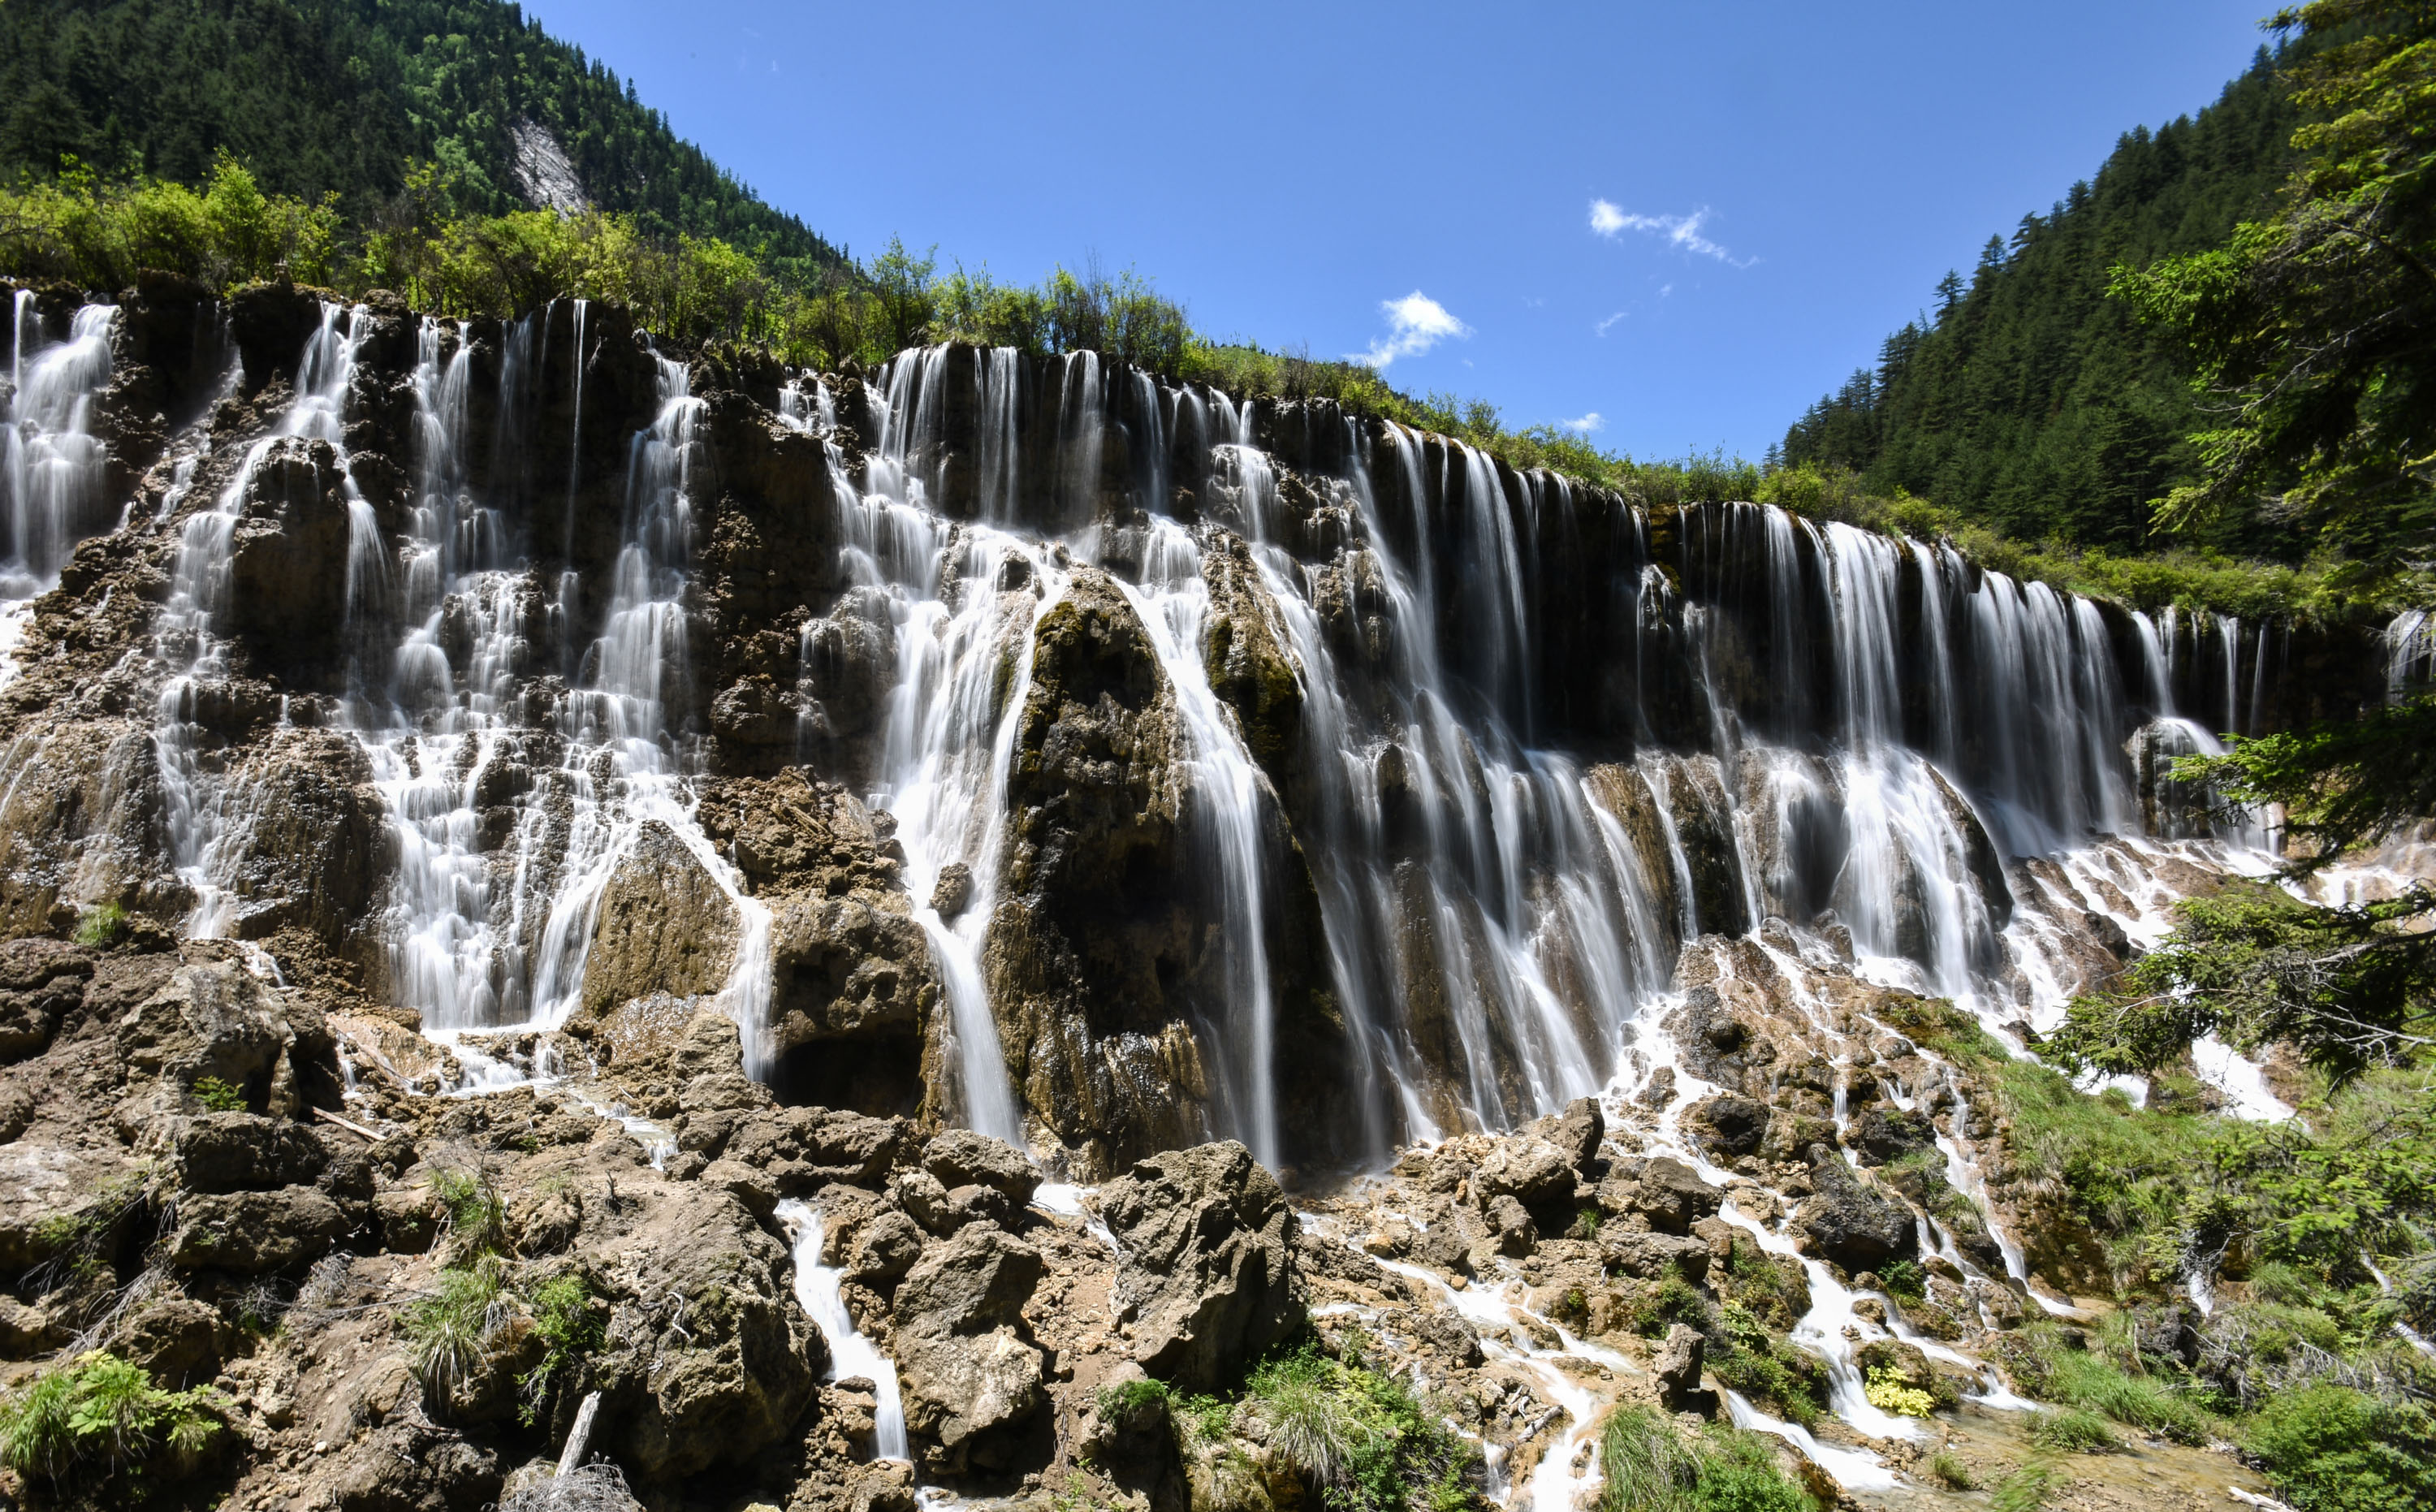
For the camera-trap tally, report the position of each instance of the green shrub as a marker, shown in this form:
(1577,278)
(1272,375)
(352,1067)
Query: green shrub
(100,1414)
(1130,1396)
(1738,1473)
(1650,1467)
(1586,1224)
(1950,1472)
(476,1214)
(1360,1439)
(102,925)
(1670,1301)
(2072,1431)
(571,1330)
(218,1096)
(1745,1355)
(449,1331)
(1903,1281)
(2330,1449)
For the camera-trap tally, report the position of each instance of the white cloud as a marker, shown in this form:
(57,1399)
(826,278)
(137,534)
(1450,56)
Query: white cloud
(1603,327)
(1682,232)
(1415,324)
(1585,424)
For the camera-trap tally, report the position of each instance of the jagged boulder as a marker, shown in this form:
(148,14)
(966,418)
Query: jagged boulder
(1207,1275)
(235,1152)
(215,1016)
(1845,1221)
(1668,1194)
(1531,1170)
(41,982)
(960,1157)
(664,925)
(253,1233)
(1575,1131)
(1730,1125)
(966,1369)
(1885,1132)
(1654,1256)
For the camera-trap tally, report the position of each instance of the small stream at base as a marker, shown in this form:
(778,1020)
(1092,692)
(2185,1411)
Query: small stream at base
(851,1353)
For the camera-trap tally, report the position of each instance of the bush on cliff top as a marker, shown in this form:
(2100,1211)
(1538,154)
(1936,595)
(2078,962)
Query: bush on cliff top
(697,290)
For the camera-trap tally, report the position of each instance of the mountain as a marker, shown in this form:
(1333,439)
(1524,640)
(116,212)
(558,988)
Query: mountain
(334,97)
(2027,399)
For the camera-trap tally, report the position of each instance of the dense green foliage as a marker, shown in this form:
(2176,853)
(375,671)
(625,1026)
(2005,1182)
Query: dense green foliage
(99,1415)
(1360,1439)
(2341,784)
(2351,987)
(334,97)
(2332,1448)
(1649,1467)
(2028,400)
(2314,330)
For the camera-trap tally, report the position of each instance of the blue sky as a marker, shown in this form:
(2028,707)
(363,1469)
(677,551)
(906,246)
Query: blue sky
(1686,220)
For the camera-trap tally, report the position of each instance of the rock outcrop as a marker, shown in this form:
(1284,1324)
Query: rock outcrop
(1206,1277)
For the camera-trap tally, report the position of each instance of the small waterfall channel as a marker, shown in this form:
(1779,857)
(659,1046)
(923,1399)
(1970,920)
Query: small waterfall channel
(851,1353)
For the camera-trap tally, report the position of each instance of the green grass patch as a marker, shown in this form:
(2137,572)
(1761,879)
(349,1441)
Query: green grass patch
(1950,1472)
(1649,1467)
(476,1214)
(1360,1440)
(451,1332)
(572,1329)
(101,926)
(2072,1431)
(1127,1398)
(2027,1489)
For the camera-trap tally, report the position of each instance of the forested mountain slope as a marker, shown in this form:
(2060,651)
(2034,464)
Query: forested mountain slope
(321,97)
(2027,398)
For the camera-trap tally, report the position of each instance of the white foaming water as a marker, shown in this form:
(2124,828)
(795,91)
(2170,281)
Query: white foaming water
(206,814)
(51,470)
(851,1353)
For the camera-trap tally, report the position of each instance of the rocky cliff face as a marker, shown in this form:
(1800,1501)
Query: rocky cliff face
(745,820)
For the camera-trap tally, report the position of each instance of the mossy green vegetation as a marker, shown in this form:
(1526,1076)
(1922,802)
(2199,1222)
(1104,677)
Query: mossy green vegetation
(101,926)
(1360,1438)
(1651,1466)
(1348,1436)
(97,1416)
(218,1096)
(2314,1233)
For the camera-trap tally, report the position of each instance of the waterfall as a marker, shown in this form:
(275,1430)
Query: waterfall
(1540,738)
(851,1353)
(205,813)
(432,741)
(52,471)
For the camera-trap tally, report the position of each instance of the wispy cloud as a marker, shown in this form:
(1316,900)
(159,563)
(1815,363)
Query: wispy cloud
(1681,233)
(1415,324)
(1584,425)
(1603,327)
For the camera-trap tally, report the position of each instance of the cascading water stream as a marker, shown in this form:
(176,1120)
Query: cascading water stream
(202,810)
(851,1353)
(51,472)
